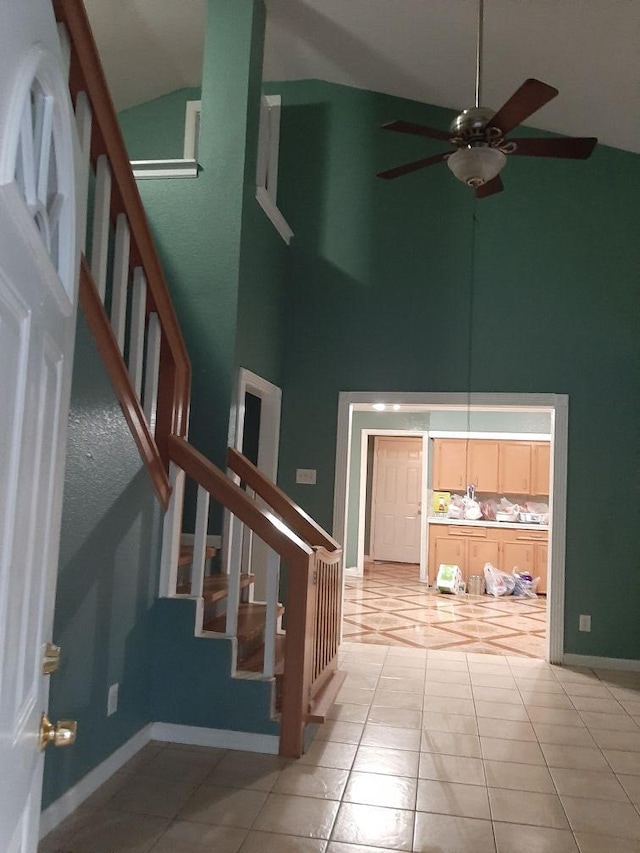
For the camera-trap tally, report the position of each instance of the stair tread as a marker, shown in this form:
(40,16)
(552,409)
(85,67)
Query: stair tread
(186,554)
(255,661)
(216,587)
(251,621)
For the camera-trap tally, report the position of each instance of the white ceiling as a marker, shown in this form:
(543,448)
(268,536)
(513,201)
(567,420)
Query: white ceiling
(418,49)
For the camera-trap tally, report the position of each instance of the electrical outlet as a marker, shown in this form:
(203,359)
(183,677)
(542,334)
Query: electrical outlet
(112,699)
(306,476)
(584,623)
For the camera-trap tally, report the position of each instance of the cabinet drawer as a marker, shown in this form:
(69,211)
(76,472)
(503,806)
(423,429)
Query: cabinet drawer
(479,532)
(539,535)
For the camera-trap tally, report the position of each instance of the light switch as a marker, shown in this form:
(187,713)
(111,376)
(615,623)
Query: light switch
(306,476)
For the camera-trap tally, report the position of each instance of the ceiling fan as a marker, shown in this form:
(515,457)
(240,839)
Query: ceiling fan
(478,135)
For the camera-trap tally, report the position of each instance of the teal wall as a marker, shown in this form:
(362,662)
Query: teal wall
(412,285)
(155,130)
(107,579)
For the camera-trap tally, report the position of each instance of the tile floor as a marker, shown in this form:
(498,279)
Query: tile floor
(426,750)
(389,606)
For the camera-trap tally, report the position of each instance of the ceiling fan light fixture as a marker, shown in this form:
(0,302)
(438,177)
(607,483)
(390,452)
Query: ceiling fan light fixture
(476,166)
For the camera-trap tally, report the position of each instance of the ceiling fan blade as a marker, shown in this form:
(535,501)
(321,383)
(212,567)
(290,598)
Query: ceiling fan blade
(530,97)
(571,147)
(413,167)
(417,130)
(493,186)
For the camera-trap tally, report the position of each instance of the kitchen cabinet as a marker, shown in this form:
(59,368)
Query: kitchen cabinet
(450,464)
(447,551)
(541,565)
(540,465)
(518,556)
(482,465)
(479,552)
(514,467)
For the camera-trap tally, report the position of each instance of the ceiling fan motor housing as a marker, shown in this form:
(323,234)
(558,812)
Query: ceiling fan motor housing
(472,125)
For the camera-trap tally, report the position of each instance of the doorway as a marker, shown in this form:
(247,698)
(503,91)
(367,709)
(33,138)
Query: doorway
(469,411)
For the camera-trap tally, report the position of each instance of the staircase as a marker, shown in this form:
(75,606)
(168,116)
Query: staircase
(294,673)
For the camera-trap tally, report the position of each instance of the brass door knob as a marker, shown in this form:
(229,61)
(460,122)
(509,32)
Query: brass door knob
(62,733)
(51,659)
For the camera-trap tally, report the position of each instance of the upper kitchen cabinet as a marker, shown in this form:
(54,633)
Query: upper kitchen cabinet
(450,464)
(540,465)
(514,467)
(482,466)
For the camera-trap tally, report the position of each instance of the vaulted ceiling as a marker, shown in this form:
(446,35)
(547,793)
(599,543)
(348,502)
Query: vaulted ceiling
(418,49)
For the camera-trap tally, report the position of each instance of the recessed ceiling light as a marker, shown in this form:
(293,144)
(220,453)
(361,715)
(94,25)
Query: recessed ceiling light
(379,407)
(396,407)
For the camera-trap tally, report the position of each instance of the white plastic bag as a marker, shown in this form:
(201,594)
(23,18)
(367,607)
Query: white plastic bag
(497,582)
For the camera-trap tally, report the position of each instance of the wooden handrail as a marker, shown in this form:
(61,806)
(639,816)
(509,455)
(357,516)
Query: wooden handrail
(293,515)
(87,75)
(266,525)
(115,366)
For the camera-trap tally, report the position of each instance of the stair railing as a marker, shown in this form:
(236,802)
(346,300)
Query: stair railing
(123,293)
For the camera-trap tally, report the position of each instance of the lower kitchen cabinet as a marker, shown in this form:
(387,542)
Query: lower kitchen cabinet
(470,547)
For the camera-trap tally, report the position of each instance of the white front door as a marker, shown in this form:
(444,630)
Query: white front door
(397,490)
(38,271)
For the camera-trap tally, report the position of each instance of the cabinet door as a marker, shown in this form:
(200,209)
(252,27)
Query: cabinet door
(450,464)
(540,464)
(514,467)
(519,556)
(481,552)
(449,551)
(482,467)
(541,558)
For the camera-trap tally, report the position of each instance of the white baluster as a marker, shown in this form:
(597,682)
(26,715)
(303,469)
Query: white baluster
(120,279)
(171,533)
(65,47)
(84,120)
(200,542)
(271,622)
(234,569)
(136,334)
(152,372)
(100,242)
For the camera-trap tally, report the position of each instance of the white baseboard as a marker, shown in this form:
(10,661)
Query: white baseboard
(601,663)
(54,814)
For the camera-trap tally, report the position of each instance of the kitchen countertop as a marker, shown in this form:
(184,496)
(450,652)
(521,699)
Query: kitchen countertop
(508,525)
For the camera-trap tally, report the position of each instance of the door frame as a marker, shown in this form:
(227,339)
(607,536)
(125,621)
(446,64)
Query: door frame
(557,405)
(390,433)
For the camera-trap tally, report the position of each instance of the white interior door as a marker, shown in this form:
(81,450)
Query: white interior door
(38,266)
(396,497)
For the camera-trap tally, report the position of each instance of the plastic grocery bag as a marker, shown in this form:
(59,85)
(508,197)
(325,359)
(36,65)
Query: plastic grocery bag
(498,583)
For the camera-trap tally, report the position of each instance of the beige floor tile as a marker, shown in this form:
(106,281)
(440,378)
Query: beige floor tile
(186,837)
(554,716)
(106,792)
(545,700)
(374,826)
(499,749)
(402,672)
(390,737)
(587,783)
(507,729)
(615,722)
(397,699)
(310,781)
(611,739)
(270,842)
(451,768)
(57,840)
(355,696)
(304,816)
(329,754)
(224,806)
(594,843)
(573,757)
(340,732)
(377,789)
(435,662)
(142,757)
(348,713)
(518,777)
(453,799)
(441,688)
(447,743)
(499,679)
(435,833)
(591,688)
(596,704)
(602,816)
(395,717)
(149,796)
(501,695)
(448,705)
(447,676)
(501,711)
(519,838)
(631,784)
(182,764)
(564,735)
(246,770)
(111,831)
(540,685)
(403,685)
(432,721)
(362,680)
(534,809)
(623,762)
(396,762)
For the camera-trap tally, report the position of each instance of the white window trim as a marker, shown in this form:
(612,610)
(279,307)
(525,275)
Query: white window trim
(187,167)
(267,165)
(192,129)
